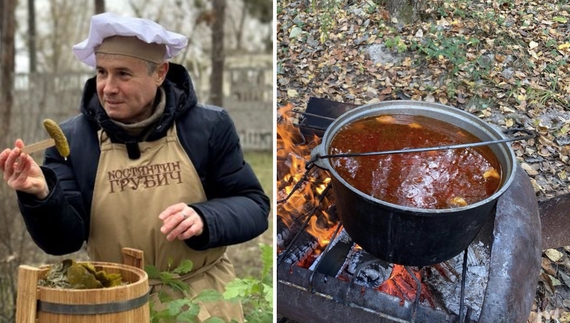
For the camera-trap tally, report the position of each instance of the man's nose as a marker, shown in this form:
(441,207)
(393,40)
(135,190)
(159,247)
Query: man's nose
(111,85)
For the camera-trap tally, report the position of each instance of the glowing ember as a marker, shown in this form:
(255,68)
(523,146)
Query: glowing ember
(403,285)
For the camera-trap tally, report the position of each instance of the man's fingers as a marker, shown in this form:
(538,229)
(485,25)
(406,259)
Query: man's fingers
(193,230)
(11,161)
(3,156)
(171,210)
(182,225)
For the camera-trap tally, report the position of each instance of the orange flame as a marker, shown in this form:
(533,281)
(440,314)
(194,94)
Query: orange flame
(295,152)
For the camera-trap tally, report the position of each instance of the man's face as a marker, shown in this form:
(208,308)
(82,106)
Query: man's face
(125,89)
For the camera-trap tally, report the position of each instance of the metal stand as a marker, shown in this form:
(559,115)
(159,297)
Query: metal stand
(462,295)
(311,213)
(323,256)
(418,292)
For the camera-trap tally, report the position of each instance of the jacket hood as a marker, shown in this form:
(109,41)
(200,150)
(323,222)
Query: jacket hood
(180,97)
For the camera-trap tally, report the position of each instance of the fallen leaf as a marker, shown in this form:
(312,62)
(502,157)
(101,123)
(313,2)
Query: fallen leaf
(564,317)
(419,33)
(555,281)
(554,255)
(547,266)
(295,31)
(565,278)
(529,170)
(384,14)
(546,279)
(533,44)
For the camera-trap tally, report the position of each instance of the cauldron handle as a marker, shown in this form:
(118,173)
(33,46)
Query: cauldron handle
(316,159)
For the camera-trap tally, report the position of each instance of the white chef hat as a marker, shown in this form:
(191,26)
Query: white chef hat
(136,37)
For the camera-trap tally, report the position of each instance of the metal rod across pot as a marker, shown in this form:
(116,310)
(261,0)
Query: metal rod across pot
(531,135)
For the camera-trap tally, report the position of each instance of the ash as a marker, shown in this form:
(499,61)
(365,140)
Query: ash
(370,273)
(362,268)
(449,288)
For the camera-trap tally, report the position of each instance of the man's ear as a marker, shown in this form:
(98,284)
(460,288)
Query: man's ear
(161,72)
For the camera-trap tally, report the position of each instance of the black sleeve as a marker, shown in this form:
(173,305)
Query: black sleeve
(55,223)
(237,209)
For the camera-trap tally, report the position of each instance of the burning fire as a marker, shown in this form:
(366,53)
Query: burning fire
(295,152)
(299,196)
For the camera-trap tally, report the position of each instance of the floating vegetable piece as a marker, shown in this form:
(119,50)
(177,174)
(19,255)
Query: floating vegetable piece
(491,172)
(386,119)
(457,201)
(415,125)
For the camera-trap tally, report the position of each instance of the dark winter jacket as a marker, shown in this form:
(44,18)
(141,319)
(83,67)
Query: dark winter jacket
(236,209)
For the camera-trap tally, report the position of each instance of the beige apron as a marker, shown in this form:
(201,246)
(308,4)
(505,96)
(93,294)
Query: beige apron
(128,197)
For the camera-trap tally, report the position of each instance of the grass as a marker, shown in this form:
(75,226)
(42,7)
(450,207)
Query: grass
(246,256)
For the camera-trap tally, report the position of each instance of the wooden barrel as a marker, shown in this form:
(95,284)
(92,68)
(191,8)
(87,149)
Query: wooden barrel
(125,303)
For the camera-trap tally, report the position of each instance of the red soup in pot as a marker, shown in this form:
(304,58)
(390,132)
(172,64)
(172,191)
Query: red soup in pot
(438,179)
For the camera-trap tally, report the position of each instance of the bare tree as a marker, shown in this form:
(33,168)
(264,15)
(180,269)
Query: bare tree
(7,61)
(8,64)
(239,26)
(217,55)
(32,36)
(68,24)
(99,6)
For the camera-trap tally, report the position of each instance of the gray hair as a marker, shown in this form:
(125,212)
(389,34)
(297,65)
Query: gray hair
(151,67)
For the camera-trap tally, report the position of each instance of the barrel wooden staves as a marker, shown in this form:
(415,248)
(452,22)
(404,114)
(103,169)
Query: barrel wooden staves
(126,303)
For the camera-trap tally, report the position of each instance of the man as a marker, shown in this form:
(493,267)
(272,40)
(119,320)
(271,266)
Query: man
(149,167)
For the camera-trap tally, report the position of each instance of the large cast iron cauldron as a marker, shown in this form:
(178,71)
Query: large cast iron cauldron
(408,235)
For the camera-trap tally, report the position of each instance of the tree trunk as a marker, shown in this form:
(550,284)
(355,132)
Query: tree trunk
(32,36)
(217,76)
(403,10)
(99,6)
(8,65)
(239,30)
